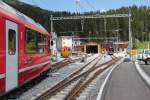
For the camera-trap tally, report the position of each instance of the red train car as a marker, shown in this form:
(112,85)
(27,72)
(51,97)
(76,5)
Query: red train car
(24,51)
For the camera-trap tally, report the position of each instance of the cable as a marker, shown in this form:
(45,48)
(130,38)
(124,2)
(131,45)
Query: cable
(89,4)
(79,5)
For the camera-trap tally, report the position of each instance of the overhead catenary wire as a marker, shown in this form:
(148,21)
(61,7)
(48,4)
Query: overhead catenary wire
(79,5)
(90,5)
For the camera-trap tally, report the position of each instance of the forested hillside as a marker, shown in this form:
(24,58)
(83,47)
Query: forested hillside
(140,21)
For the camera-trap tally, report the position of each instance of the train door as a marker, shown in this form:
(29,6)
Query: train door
(11,55)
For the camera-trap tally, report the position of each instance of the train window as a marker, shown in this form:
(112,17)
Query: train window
(30,40)
(34,41)
(11,42)
(40,43)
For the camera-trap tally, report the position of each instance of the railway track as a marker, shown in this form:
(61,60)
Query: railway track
(61,64)
(86,80)
(65,62)
(66,80)
(71,88)
(113,57)
(18,92)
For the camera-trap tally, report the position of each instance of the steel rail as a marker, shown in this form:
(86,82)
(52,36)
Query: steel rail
(85,81)
(74,76)
(64,63)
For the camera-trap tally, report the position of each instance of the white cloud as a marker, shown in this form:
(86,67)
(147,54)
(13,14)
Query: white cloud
(103,10)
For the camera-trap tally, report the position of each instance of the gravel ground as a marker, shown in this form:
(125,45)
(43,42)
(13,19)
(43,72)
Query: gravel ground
(53,79)
(49,82)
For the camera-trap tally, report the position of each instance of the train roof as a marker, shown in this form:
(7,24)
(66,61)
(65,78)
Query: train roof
(15,15)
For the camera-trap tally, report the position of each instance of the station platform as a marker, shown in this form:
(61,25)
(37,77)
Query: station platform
(126,84)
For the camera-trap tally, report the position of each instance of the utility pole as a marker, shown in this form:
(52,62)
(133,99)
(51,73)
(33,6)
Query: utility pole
(130,33)
(51,38)
(149,42)
(105,24)
(51,24)
(90,36)
(82,24)
(73,43)
(117,31)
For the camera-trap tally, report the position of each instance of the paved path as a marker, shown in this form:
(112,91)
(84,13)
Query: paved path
(126,84)
(146,68)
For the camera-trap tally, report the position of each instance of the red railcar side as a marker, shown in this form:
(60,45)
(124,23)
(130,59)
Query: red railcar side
(2,56)
(29,65)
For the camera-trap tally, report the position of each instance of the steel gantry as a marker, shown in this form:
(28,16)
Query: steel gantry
(97,16)
(91,17)
(97,38)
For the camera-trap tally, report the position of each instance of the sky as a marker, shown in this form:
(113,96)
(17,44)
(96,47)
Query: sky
(85,5)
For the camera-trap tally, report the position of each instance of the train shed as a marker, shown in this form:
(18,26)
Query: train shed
(92,47)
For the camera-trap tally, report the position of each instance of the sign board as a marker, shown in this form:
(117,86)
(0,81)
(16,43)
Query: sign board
(133,52)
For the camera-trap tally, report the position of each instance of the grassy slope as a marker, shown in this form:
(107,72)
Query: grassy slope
(142,45)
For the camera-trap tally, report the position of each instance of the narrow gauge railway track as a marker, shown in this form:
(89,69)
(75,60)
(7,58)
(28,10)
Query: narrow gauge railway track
(64,82)
(65,62)
(86,80)
(113,57)
(18,92)
(61,64)
(75,84)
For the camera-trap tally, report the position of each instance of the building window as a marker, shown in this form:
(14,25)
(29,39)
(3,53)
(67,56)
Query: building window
(11,42)
(34,41)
